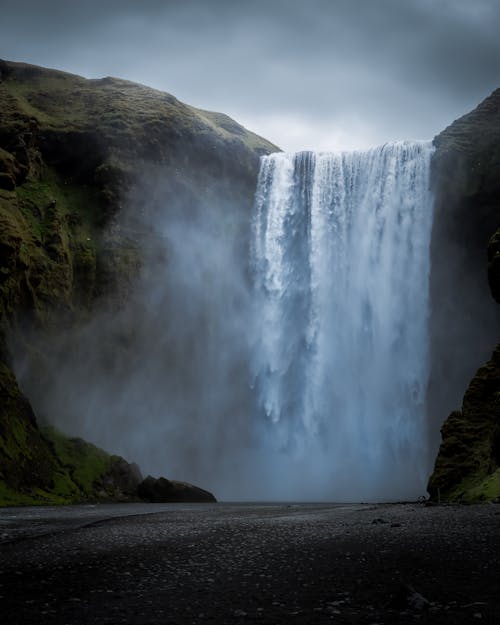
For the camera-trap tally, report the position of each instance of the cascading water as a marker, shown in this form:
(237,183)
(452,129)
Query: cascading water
(341,268)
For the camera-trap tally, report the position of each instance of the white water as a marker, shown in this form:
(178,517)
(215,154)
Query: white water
(341,266)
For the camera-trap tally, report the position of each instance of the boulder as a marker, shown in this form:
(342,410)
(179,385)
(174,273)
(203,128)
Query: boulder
(161,490)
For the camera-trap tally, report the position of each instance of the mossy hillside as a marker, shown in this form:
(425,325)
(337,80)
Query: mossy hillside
(104,129)
(27,464)
(83,144)
(467,466)
(468,461)
(43,466)
(486,489)
(71,150)
(84,462)
(48,249)
(97,474)
(465,320)
(49,258)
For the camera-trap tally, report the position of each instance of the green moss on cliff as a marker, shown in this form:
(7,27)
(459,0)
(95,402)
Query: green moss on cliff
(85,462)
(27,464)
(467,465)
(487,489)
(71,150)
(47,467)
(465,320)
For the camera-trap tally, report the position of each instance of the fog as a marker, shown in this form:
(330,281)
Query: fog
(165,378)
(179,375)
(162,378)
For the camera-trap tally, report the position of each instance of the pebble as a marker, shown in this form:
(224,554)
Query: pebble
(192,564)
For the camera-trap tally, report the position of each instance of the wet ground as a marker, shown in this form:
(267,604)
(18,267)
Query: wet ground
(231,564)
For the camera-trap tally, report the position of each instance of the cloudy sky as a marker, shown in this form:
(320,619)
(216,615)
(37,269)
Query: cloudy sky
(306,74)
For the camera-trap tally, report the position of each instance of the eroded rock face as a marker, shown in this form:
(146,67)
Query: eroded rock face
(468,463)
(26,459)
(467,466)
(465,321)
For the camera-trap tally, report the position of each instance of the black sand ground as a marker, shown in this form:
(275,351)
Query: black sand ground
(298,564)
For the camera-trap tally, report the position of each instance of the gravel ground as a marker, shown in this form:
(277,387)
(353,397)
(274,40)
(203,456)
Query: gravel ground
(280,564)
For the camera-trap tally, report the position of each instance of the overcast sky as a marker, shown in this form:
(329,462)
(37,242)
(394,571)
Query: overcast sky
(306,74)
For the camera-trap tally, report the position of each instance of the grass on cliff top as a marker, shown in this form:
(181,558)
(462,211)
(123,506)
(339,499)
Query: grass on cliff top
(111,106)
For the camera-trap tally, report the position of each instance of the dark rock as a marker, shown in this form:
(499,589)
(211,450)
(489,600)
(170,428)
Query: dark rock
(467,466)
(7,181)
(124,477)
(161,490)
(465,321)
(26,460)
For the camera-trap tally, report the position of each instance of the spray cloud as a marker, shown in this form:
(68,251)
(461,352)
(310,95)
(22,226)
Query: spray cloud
(296,371)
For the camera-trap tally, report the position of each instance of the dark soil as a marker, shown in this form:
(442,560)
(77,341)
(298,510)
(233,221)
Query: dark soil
(280,564)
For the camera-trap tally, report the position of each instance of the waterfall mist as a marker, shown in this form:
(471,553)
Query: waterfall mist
(161,376)
(280,355)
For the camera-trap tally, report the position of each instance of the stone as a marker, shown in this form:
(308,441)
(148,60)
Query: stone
(161,490)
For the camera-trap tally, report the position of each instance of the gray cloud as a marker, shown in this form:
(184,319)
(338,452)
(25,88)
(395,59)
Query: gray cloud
(320,73)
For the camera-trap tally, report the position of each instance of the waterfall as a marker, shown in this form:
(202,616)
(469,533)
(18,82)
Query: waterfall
(340,262)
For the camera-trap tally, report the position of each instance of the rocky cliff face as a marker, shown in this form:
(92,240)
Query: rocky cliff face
(467,467)
(71,150)
(465,319)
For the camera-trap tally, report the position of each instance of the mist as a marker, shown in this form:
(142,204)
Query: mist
(178,374)
(162,378)
(165,377)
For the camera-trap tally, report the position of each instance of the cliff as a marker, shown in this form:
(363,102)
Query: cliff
(465,318)
(71,150)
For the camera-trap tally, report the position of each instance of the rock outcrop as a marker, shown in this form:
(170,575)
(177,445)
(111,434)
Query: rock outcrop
(161,490)
(465,320)
(71,150)
(467,467)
